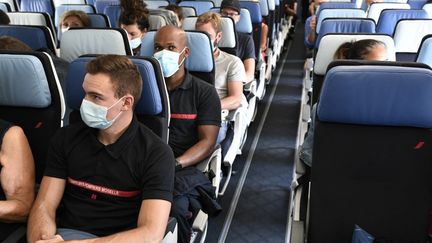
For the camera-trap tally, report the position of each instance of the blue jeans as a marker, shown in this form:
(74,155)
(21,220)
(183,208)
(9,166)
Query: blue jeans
(71,234)
(222,132)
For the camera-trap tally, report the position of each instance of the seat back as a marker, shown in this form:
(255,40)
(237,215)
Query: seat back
(61,9)
(425,51)
(62,2)
(339,13)
(228,41)
(372,124)
(161,17)
(5,7)
(188,11)
(99,21)
(408,36)
(200,61)
(417,4)
(13,5)
(31,97)
(32,18)
(155,4)
(38,6)
(113,12)
(153,107)
(338,5)
(389,18)
(345,25)
(83,41)
(200,6)
(428,8)
(327,48)
(375,9)
(100,5)
(37,37)
(256,18)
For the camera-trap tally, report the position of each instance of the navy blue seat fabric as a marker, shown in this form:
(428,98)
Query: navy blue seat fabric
(200,6)
(100,5)
(389,18)
(113,12)
(339,5)
(151,109)
(37,37)
(38,6)
(371,140)
(345,25)
(417,4)
(99,21)
(31,97)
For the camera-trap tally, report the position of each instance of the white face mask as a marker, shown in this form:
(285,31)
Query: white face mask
(169,61)
(134,43)
(64,29)
(214,45)
(95,115)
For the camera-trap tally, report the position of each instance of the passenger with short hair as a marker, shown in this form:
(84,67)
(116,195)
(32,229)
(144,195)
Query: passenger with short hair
(230,73)
(245,46)
(195,115)
(134,20)
(74,19)
(4,18)
(367,49)
(178,11)
(17,178)
(112,175)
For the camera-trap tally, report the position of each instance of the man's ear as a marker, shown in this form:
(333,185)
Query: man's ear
(186,52)
(219,36)
(128,102)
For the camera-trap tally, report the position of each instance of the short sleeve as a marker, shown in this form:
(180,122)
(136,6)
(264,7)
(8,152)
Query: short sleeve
(247,45)
(209,107)
(236,70)
(56,159)
(307,31)
(158,176)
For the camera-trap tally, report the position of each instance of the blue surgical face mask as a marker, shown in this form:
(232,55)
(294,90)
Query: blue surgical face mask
(134,43)
(95,115)
(169,61)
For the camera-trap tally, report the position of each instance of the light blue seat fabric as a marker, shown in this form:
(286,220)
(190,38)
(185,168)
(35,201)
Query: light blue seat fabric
(23,73)
(36,37)
(5,7)
(188,11)
(345,25)
(389,18)
(13,5)
(100,5)
(99,21)
(264,8)
(339,13)
(61,9)
(113,12)
(200,6)
(338,5)
(245,23)
(38,6)
(425,51)
(417,4)
(155,4)
(405,104)
(256,18)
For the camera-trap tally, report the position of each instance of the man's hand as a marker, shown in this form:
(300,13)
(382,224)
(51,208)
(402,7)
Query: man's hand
(51,239)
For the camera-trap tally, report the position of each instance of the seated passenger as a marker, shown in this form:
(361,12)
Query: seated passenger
(230,73)
(310,32)
(17,178)
(368,49)
(195,113)
(112,175)
(178,11)
(134,19)
(4,18)
(74,19)
(245,46)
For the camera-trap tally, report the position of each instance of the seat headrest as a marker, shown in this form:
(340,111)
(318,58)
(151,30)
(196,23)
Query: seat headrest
(113,12)
(425,51)
(331,42)
(375,9)
(254,10)
(228,29)
(61,9)
(339,13)
(188,12)
(150,102)
(37,6)
(37,37)
(377,95)
(389,18)
(61,2)
(155,4)
(200,57)
(340,5)
(345,25)
(409,33)
(264,8)
(23,81)
(428,8)
(28,18)
(99,21)
(82,41)
(5,7)
(245,23)
(200,6)
(100,5)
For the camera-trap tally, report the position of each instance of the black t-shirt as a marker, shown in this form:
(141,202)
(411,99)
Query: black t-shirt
(106,184)
(245,46)
(193,103)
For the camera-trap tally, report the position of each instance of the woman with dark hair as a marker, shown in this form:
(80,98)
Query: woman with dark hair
(367,49)
(134,19)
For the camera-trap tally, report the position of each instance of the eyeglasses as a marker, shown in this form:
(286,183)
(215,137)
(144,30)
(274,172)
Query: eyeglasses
(229,14)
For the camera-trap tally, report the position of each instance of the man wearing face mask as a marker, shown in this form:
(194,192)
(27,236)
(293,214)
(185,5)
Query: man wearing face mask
(195,112)
(230,72)
(112,175)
